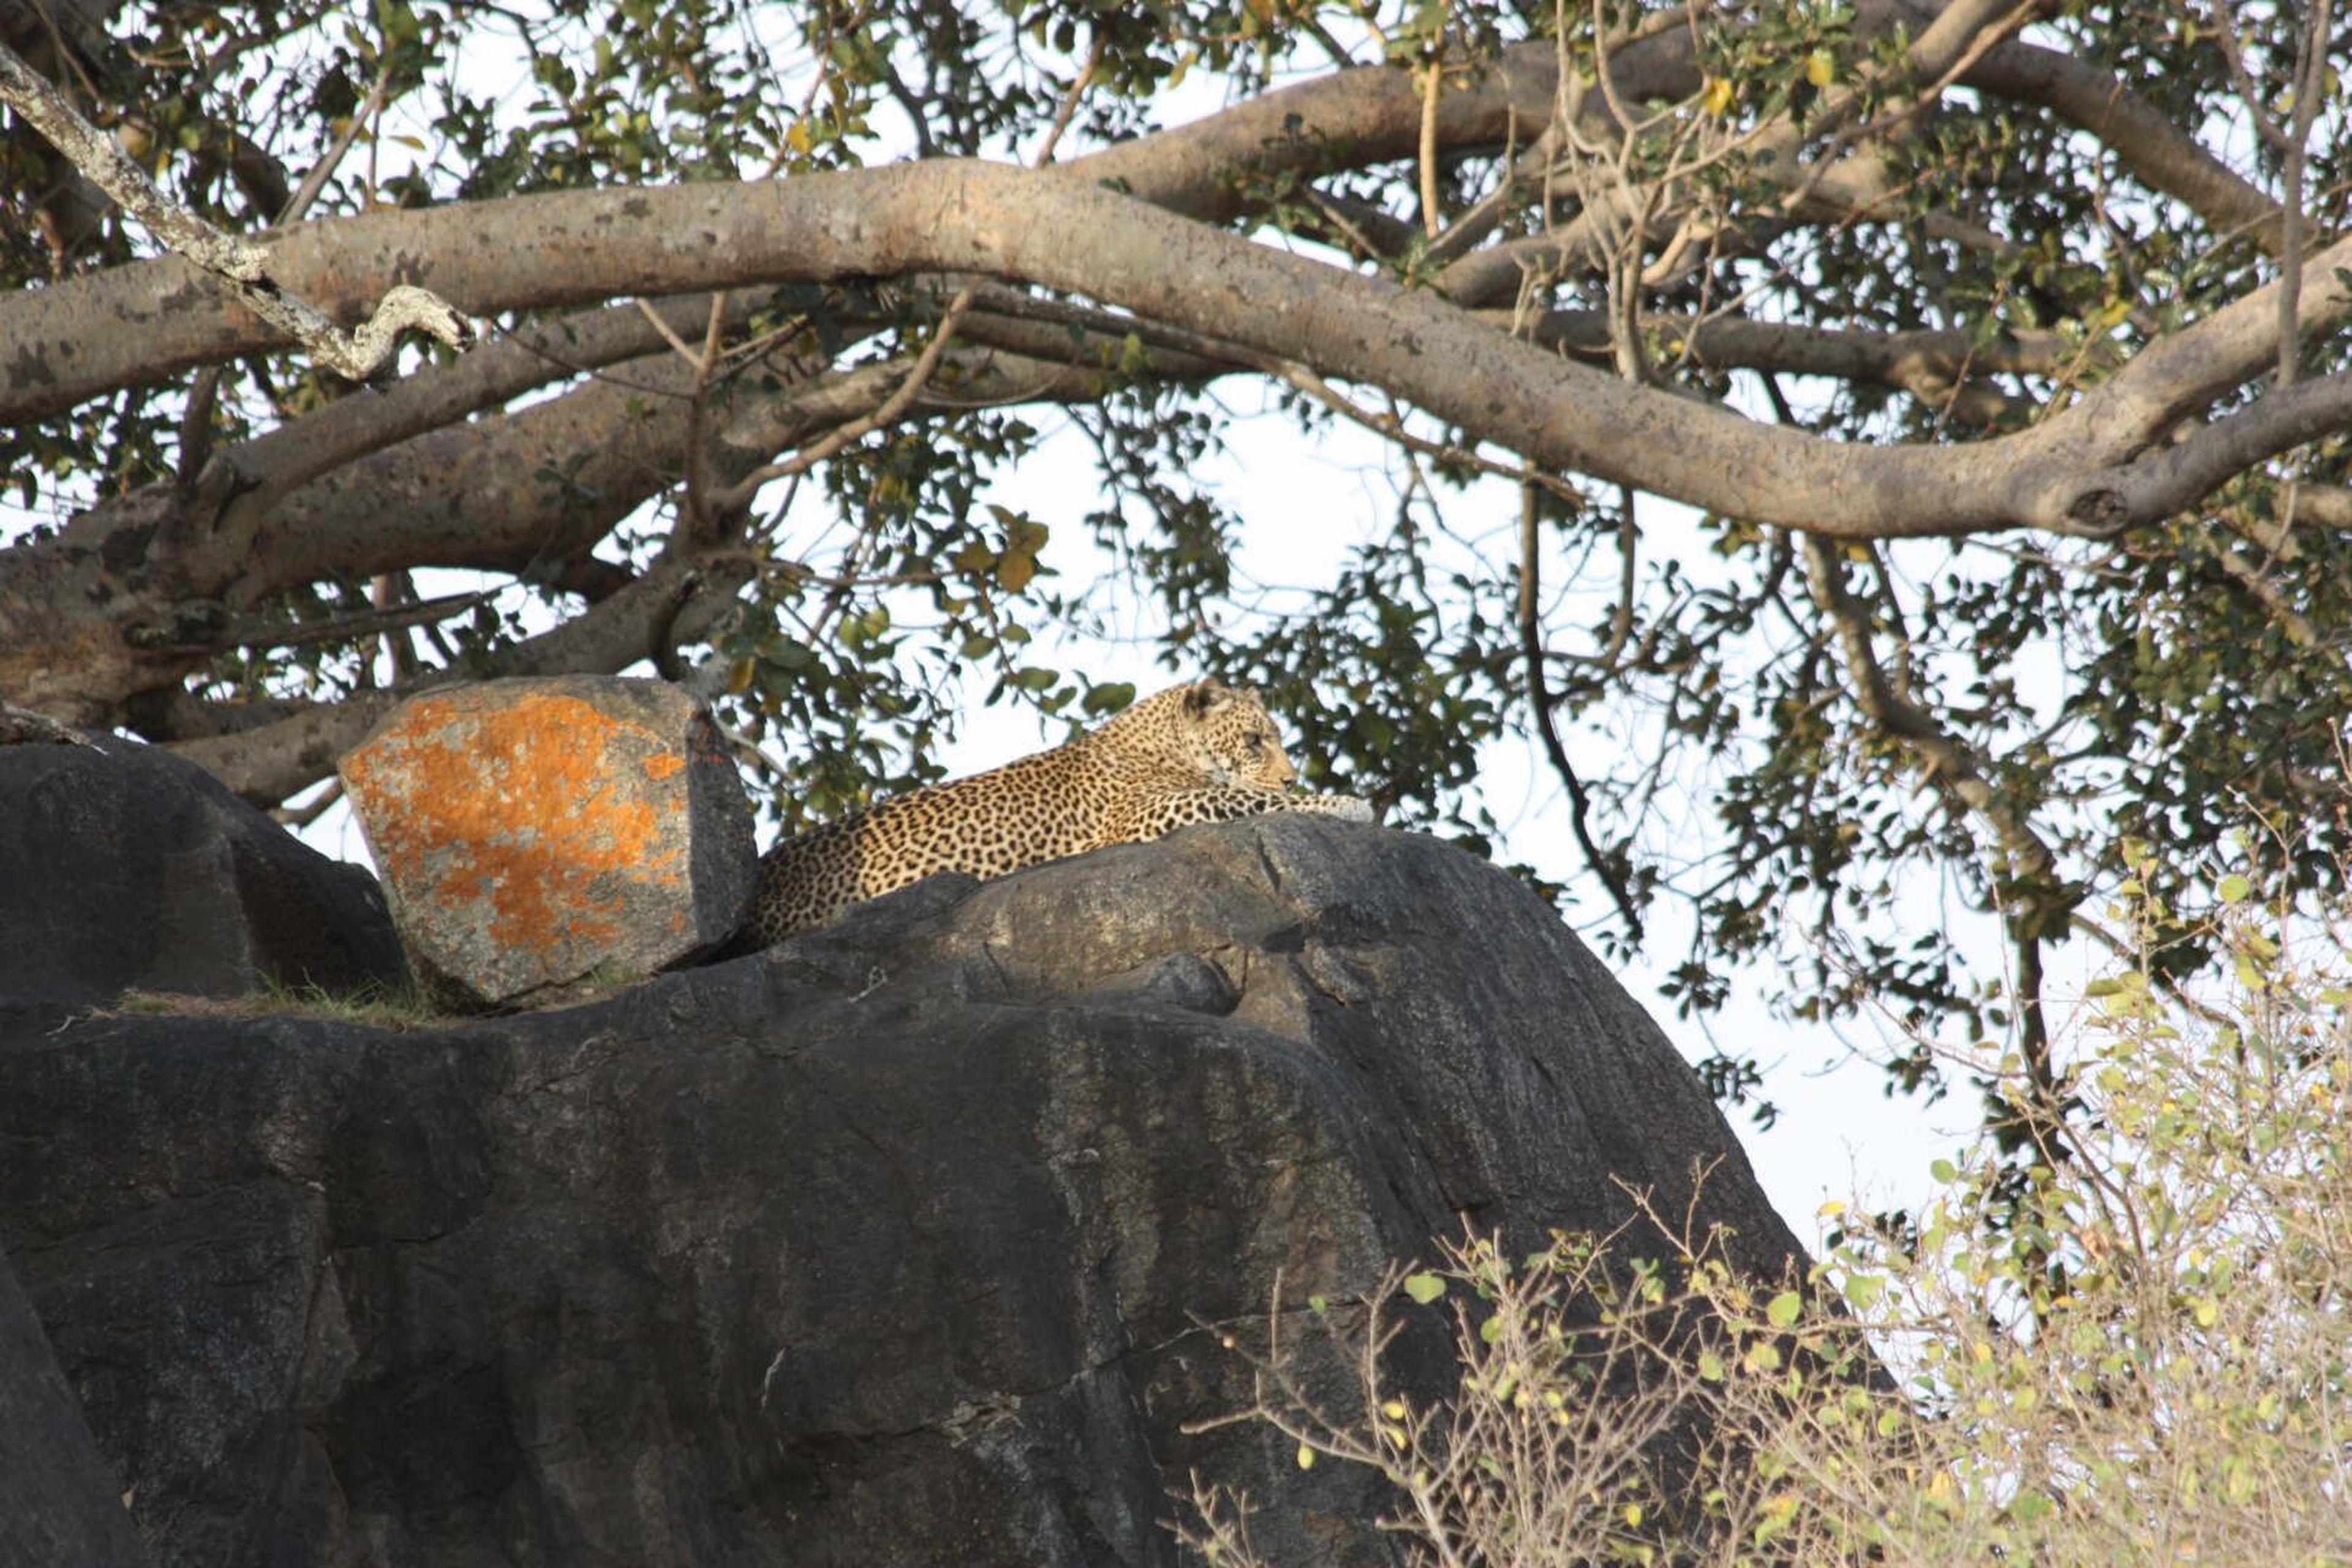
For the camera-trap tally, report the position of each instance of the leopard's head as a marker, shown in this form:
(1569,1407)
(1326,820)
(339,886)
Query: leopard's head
(1225,734)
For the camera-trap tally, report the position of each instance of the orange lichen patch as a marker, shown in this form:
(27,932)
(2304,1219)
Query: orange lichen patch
(518,807)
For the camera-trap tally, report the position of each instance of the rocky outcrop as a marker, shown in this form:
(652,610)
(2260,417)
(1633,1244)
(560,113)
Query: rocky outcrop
(534,833)
(122,867)
(906,1242)
(58,1497)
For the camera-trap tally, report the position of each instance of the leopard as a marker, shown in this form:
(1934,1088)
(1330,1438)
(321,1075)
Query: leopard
(1204,752)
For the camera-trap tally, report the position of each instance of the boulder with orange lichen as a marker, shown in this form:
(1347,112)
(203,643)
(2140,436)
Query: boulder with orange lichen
(533,833)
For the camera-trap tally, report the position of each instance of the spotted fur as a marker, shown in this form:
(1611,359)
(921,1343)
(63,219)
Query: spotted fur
(1201,753)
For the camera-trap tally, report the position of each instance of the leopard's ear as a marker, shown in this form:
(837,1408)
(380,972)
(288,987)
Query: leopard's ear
(1204,698)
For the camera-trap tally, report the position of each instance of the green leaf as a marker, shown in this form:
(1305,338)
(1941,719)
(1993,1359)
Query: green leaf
(1111,697)
(1783,1309)
(1424,1288)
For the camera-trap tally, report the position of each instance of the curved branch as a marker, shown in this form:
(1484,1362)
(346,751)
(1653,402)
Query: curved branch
(1042,228)
(1610,868)
(2159,153)
(2036,900)
(2177,476)
(1226,166)
(269,761)
(260,473)
(1938,366)
(94,618)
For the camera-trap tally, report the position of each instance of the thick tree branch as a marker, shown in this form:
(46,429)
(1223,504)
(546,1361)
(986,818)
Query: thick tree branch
(527,492)
(1042,228)
(1230,164)
(273,464)
(269,761)
(2160,154)
(2182,372)
(1942,368)
(2174,477)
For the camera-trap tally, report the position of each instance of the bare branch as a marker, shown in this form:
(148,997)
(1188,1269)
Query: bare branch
(272,761)
(1068,107)
(2311,65)
(242,266)
(1944,368)
(2176,478)
(892,409)
(2146,141)
(1955,770)
(2035,900)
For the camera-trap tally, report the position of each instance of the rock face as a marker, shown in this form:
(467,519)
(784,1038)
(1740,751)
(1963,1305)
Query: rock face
(533,831)
(893,1245)
(57,1496)
(121,866)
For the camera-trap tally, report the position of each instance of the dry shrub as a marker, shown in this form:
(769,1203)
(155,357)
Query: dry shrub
(2140,1355)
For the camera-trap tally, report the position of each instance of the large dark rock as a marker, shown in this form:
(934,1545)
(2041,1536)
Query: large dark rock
(122,866)
(891,1246)
(58,1503)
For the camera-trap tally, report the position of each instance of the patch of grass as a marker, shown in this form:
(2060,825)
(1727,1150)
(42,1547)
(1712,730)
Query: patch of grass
(374,1006)
(607,980)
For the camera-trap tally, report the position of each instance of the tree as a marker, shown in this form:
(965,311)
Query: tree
(2001,344)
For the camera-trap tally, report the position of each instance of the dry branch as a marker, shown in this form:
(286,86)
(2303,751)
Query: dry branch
(239,265)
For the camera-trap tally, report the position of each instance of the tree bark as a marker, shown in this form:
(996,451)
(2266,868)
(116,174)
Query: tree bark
(1043,229)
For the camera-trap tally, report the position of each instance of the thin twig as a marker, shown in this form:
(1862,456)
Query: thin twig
(2311,67)
(1069,105)
(1432,219)
(1539,701)
(740,493)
